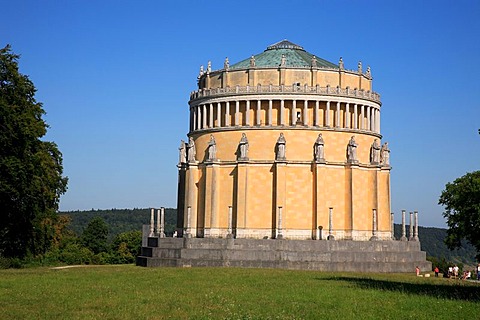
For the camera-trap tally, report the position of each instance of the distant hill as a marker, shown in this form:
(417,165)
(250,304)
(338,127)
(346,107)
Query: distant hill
(123,220)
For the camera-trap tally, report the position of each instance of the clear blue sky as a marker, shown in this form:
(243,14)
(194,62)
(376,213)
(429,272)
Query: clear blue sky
(115,78)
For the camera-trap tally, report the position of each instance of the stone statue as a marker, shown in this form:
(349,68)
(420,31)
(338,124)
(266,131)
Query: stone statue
(252,61)
(369,72)
(243,147)
(340,64)
(359,66)
(212,149)
(209,67)
(226,64)
(352,151)
(314,62)
(192,152)
(385,155)
(319,149)
(283,62)
(281,147)
(182,156)
(375,152)
(201,72)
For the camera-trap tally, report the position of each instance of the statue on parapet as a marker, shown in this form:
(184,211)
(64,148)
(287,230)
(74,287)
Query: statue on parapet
(281,147)
(226,64)
(319,149)
(283,61)
(340,64)
(385,155)
(191,152)
(375,152)
(352,151)
(182,153)
(314,62)
(243,148)
(252,61)
(212,149)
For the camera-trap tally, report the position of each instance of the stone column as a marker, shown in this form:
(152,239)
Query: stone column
(259,107)
(410,230)
(404,235)
(362,116)
(279,191)
(317,113)
(219,114)
(347,115)
(327,115)
(269,121)
(204,112)
(368,125)
(158,223)
(294,112)
(227,114)
(282,112)
(415,232)
(355,116)
(247,113)
(337,116)
(392,222)
(305,113)
(237,112)
(199,117)
(330,224)
(378,120)
(188,231)
(375,225)
(279,227)
(193,119)
(230,223)
(210,113)
(152,223)
(162,222)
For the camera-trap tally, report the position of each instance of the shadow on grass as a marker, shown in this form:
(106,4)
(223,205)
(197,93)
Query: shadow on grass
(452,291)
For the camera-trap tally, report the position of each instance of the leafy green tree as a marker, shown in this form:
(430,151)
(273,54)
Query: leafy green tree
(127,246)
(31,180)
(95,236)
(461,200)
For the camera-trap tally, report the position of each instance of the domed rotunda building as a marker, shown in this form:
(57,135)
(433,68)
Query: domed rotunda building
(284,145)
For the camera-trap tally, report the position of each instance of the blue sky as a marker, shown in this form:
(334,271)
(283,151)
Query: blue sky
(115,78)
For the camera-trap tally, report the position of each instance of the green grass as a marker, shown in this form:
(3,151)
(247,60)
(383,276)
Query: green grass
(129,292)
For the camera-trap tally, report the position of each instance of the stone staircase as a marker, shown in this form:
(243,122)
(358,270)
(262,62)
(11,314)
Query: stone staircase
(323,255)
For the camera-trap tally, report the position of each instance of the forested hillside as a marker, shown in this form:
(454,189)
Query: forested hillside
(431,241)
(120,220)
(123,220)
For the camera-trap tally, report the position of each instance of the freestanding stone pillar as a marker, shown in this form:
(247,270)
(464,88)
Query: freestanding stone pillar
(279,228)
(230,222)
(152,222)
(404,236)
(188,231)
(410,229)
(393,226)
(415,232)
(161,233)
(374,231)
(330,224)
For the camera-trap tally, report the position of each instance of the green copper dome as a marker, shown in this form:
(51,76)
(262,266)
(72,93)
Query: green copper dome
(284,53)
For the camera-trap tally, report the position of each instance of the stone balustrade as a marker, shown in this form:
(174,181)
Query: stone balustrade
(295,88)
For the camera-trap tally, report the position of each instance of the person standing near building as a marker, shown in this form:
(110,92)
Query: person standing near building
(436,272)
(478,272)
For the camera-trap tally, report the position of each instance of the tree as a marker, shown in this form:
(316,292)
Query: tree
(95,235)
(462,210)
(31,180)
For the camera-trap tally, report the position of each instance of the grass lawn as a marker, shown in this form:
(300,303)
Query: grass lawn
(130,292)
